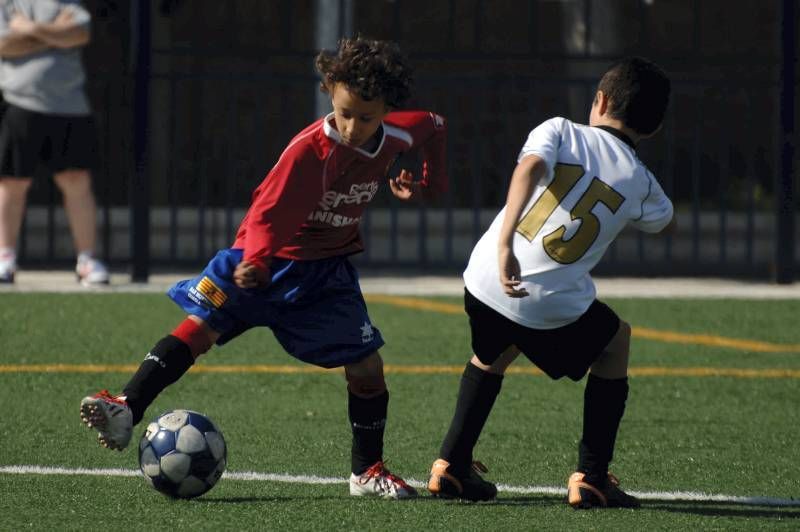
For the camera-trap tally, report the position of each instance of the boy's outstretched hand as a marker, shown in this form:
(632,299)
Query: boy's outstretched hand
(247,275)
(404,187)
(510,273)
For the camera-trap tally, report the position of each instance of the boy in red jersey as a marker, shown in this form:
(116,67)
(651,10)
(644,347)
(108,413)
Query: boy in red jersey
(288,267)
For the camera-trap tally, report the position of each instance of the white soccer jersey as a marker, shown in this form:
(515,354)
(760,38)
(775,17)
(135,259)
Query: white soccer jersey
(594,186)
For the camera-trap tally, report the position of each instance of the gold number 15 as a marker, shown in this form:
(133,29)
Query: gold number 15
(565,177)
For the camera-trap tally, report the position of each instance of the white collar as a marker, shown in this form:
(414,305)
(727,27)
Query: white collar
(332,133)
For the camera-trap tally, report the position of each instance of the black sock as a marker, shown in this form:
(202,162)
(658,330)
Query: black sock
(164,364)
(603,406)
(476,397)
(368,420)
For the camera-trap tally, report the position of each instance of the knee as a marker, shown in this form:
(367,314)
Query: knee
(196,334)
(366,387)
(365,377)
(613,362)
(621,343)
(73,181)
(15,188)
(625,331)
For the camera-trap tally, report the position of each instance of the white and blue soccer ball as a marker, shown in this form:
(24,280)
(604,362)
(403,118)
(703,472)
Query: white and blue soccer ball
(182,454)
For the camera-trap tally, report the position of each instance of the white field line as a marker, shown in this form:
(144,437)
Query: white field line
(502,488)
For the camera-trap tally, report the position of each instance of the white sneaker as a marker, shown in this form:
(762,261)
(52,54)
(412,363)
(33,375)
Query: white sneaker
(8,267)
(377,481)
(91,271)
(111,417)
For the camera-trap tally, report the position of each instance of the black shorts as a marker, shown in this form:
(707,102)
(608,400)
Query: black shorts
(35,144)
(567,350)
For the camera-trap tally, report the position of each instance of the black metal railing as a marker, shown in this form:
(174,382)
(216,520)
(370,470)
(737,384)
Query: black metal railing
(194,121)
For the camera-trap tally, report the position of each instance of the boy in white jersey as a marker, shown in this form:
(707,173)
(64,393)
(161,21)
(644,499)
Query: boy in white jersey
(528,288)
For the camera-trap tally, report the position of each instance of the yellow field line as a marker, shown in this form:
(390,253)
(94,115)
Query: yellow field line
(643,371)
(415,303)
(719,341)
(130,368)
(637,332)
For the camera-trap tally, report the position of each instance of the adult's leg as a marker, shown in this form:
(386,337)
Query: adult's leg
(80,207)
(13,198)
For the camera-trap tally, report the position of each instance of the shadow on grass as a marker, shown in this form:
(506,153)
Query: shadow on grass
(273,498)
(717,509)
(533,500)
(537,500)
(705,508)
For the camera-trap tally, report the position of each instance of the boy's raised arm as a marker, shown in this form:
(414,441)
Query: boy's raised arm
(429,134)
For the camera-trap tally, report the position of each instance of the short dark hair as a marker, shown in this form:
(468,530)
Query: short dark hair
(372,69)
(638,91)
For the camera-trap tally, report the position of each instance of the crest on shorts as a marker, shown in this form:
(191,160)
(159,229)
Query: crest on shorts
(211,292)
(366,333)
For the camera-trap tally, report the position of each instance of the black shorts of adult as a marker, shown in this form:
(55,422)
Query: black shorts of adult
(34,143)
(569,350)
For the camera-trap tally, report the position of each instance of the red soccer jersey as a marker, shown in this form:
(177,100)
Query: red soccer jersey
(309,205)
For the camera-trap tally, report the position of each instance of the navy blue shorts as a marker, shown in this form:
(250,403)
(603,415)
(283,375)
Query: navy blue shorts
(314,307)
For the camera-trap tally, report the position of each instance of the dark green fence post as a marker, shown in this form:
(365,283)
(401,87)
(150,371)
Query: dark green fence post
(140,186)
(785,207)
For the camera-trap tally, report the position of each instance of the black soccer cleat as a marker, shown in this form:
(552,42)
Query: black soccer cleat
(469,487)
(581,495)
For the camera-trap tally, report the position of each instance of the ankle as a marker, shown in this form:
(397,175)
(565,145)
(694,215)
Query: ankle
(8,254)
(85,256)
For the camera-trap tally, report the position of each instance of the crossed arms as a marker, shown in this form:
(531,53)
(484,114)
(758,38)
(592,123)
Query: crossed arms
(27,37)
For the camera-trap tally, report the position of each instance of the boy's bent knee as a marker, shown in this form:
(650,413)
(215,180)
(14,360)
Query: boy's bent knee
(613,363)
(624,329)
(366,387)
(621,341)
(196,334)
(499,365)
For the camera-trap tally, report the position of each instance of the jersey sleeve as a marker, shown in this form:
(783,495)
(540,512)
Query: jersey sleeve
(655,210)
(6,10)
(544,141)
(80,15)
(429,134)
(282,202)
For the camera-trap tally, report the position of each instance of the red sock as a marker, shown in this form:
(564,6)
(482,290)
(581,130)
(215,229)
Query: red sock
(194,335)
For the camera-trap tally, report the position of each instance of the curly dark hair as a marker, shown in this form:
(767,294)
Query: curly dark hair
(370,68)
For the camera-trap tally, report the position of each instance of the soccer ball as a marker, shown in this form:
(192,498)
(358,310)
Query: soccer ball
(182,454)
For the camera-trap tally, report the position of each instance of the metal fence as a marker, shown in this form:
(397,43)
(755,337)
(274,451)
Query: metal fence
(205,95)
